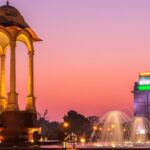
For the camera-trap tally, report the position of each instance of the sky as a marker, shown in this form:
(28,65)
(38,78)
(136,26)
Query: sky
(91,54)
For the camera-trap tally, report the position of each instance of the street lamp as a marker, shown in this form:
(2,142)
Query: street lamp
(82,140)
(65,124)
(94,128)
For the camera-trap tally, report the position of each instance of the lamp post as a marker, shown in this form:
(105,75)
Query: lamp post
(65,126)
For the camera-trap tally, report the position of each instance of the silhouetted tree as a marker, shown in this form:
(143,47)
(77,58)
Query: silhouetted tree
(93,120)
(54,130)
(49,130)
(77,123)
(44,124)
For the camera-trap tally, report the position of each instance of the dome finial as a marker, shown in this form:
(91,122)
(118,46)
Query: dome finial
(7,3)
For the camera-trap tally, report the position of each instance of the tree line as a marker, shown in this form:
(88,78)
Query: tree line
(73,122)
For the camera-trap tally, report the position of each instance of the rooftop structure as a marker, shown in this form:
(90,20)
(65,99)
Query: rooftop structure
(142,95)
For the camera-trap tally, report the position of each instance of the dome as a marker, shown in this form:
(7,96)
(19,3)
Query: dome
(10,16)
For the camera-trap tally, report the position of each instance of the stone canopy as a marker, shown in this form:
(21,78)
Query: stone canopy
(10,16)
(16,125)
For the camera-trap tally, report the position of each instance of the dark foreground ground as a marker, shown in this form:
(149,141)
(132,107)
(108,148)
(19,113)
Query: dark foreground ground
(55,148)
(23,148)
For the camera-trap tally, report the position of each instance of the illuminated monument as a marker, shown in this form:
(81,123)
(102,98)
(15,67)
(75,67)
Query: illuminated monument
(16,124)
(142,96)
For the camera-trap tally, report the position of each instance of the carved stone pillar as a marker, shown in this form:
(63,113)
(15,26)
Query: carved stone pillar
(12,95)
(30,105)
(3,101)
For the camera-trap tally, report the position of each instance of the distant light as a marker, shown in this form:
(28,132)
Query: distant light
(98,145)
(139,141)
(141,131)
(65,124)
(124,130)
(41,140)
(94,128)
(113,145)
(108,129)
(32,141)
(145,74)
(113,126)
(100,129)
(143,87)
(148,142)
(82,140)
(144,80)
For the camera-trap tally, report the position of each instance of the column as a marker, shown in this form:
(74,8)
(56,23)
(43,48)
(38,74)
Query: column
(30,105)
(12,95)
(3,101)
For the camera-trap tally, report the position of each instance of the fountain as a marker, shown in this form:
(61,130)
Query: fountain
(139,130)
(111,129)
(115,129)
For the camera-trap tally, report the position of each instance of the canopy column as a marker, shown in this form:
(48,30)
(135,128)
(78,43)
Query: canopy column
(30,105)
(12,95)
(3,100)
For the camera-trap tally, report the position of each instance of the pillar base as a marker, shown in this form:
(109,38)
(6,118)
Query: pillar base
(12,102)
(30,105)
(13,127)
(3,103)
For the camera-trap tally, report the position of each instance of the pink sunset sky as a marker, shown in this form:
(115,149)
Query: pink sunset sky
(90,57)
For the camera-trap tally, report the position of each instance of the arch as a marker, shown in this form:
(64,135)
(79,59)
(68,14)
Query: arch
(1,50)
(5,31)
(25,37)
(5,40)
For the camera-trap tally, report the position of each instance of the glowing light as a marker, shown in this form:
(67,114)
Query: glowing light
(41,140)
(66,124)
(82,140)
(113,126)
(32,141)
(94,128)
(113,145)
(98,145)
(144,80)
(108,129)
(100,129)
(148,142)
(143,87)
(141,131)
(124,130)
(139,141)
(145,74)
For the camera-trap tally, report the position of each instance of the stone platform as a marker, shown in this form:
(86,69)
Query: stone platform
(18,126)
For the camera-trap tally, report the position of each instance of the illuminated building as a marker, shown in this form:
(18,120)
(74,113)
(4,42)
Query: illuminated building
(16,124)
(142,95)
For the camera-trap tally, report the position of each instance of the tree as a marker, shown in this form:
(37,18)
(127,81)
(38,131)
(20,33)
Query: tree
(93,120)
(43,123)
(49,130)
(54,130)
(77,123)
